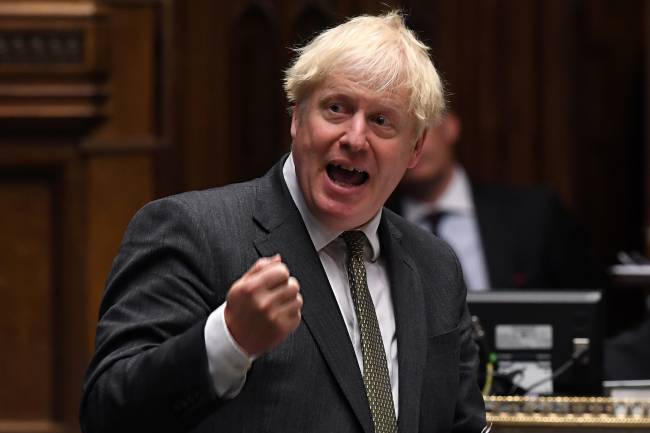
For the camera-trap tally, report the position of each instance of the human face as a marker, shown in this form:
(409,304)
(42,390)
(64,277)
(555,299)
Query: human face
(351,146)
(437,159)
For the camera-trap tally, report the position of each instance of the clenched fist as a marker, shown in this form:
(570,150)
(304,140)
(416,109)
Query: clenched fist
(263,306)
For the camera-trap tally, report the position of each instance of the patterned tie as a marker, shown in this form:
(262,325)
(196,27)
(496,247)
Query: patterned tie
(375,368)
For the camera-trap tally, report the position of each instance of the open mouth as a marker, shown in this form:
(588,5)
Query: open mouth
(346,176)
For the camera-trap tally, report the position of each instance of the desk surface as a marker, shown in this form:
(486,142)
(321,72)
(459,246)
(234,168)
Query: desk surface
(538,414)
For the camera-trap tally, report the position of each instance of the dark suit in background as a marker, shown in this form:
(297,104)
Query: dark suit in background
(530,241)
(527,237)
(178,259)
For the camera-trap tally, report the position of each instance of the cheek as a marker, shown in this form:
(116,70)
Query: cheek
(393,165)
(324,133)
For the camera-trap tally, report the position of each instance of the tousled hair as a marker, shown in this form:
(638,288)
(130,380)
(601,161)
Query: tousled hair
(378,52)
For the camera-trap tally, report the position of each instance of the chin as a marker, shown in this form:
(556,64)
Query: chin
(345,220)
(343,214)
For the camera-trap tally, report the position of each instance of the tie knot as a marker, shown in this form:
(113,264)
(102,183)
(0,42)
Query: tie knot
(355,240)
(435,218)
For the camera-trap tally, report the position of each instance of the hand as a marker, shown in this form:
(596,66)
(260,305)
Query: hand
(263,306)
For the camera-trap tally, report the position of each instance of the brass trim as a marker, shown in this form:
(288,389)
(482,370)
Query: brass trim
(48,9)
(568,411)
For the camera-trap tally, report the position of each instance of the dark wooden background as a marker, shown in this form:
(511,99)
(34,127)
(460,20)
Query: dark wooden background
(107,104)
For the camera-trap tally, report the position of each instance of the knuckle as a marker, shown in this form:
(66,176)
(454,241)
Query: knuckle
(284,274)
(235,292)
(260,304)
(282,270)
(245,289)
(293,285)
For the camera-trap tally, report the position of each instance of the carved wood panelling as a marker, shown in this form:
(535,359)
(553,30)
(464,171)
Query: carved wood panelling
(255,77)
(310,20)
(550,93)
(27,290)
(41,47)
(646,160)
(52,65)
(80,104)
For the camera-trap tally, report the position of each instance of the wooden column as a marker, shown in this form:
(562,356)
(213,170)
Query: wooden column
(79,125)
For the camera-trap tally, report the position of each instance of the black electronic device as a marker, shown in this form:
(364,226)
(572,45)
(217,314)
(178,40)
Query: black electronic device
(541,342)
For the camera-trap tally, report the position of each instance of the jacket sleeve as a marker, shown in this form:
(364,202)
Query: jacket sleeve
(149,372)
(470,408)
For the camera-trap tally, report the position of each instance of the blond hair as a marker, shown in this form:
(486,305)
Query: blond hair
(378,52)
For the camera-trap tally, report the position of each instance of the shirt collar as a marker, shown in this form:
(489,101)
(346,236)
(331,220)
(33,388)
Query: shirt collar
(320,235)
(455,199)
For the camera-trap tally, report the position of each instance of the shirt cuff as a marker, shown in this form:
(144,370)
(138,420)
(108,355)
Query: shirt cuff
(227,362)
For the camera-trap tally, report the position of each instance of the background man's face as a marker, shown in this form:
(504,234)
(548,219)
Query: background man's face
(351,146)
(437,159)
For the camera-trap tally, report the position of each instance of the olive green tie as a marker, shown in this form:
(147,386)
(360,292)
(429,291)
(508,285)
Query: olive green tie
(375,368)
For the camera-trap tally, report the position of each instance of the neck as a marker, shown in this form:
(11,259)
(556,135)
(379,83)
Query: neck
(430,191)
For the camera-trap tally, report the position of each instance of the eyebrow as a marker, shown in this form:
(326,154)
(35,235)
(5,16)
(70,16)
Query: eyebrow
(386,104)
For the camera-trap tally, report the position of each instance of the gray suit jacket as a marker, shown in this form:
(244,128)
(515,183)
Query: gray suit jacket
(178,259)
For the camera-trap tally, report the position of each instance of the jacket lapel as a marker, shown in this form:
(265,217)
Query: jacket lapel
(410,322)
(284,233)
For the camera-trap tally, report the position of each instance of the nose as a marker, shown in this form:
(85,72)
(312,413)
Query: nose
(355,136)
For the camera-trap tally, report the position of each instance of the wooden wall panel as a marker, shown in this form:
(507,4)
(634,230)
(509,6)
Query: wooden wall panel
(606,104)
(550,92)
(646,160)
(555,103)
(51,58)
(254,72)
(116,187)
(173,95)
(486,52)
(81,107)
(27,290)
(232,122)
(203,122)
(520,88)
(132,111)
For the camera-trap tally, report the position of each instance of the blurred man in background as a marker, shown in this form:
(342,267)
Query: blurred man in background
(505,237)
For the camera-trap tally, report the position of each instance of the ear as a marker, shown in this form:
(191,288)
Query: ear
(452,126)
(294,122)
(417,149)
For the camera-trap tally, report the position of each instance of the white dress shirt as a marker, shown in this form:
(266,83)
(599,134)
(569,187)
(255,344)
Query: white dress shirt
(459,227)
(228,363)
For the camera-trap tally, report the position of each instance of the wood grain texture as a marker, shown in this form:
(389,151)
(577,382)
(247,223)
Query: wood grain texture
(27,291)
(77,144)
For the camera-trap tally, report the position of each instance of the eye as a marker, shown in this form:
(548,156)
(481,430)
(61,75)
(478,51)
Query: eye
(335,108)
(383,121)
(386,125)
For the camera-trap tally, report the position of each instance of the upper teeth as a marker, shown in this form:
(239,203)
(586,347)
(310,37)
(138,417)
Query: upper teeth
(344,167)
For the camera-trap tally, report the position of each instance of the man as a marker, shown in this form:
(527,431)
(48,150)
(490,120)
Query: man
(294,303)
(505,237)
